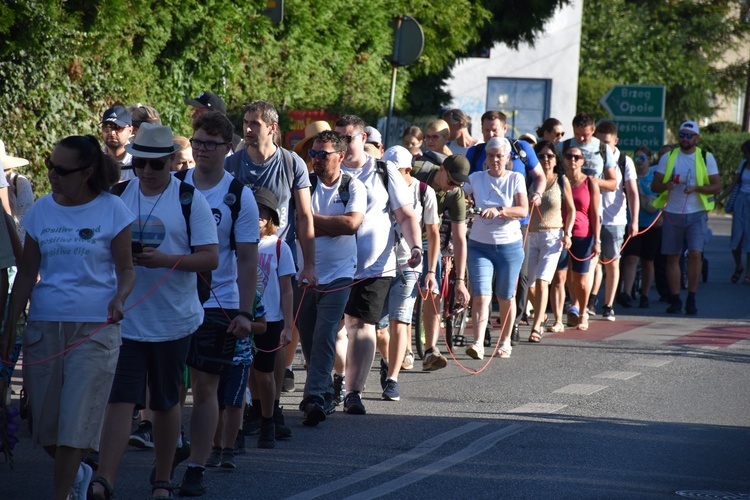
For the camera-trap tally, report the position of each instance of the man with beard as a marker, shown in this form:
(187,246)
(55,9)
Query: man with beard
(117,127)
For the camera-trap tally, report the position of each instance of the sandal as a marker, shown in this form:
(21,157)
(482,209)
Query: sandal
(536,336)
(108,491)
(504,351)
(737,273)
(584,324)
(557,327)
(162,485)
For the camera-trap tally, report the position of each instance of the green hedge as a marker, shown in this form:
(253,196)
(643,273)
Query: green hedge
(726,149)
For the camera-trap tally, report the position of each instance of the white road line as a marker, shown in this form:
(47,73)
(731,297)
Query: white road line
(652,362)
(537,408)
(481,445)
(580,389)
(418,451)
(617,375)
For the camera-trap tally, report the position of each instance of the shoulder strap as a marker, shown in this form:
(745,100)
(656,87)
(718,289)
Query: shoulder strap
(278,251)
(382,169)
(478,150)
(234,200)
(520,154)
(182,174)
(422,192)
(313,182)
(288,161)
(119,188)
(186,203)
(344,194)
(621,162)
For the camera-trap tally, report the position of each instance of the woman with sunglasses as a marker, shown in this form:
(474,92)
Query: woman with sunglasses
(78,241)
(551,130)
(646,246)
(549,234)
(495,243)
(586,240)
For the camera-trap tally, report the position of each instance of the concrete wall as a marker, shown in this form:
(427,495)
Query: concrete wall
(555,56)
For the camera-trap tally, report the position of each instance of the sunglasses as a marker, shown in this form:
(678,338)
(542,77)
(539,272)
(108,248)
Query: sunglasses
(112,126)
(686,135)
(432,137)
(350,138)
(559,134)
(452,182)
(573,157)
(62,172)
(321,154)
(545,156)
(640,158)
(206,145)
(156,163)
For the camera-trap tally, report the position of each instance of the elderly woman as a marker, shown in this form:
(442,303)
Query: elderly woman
(78,241)
(586,239)
(549,232)
(495,242)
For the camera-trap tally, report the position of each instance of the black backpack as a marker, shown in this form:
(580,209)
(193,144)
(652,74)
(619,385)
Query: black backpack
(186,203)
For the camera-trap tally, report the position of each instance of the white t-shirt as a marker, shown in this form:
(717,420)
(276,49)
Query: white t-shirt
(270,269)
(614,203)
(171,310)
(375,237)
(336,257)
(425,215)
(127,171)
(677,201)
(495,192)
(224,278)
(77,268)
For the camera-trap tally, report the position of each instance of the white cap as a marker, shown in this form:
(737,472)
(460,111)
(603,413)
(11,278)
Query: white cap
(398,155)
(373,135)
(691,126)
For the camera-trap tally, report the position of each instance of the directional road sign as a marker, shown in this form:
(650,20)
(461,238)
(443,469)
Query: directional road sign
(635,101)
(634,133)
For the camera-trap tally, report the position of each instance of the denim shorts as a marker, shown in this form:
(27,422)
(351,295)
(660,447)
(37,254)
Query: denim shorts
(503,260)
(681,229)
(399,305)
(612,238)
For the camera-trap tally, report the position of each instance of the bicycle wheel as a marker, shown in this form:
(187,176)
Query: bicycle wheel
(417,327)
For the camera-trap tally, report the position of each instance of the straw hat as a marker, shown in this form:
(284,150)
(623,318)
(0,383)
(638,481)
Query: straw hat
(312,129)
(10,161)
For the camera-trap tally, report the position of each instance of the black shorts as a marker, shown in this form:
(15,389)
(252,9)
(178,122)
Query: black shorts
(646,246)
(267,345)
(160,363)
(211,347)
(367,298)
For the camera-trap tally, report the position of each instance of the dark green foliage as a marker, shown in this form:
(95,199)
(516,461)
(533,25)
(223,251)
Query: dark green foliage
(726,149)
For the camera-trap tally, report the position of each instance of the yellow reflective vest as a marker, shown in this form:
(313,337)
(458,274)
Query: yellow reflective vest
(701,179)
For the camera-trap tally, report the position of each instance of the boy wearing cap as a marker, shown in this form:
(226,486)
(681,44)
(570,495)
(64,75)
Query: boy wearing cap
(117,127)
(167,254)
(233,282)
(398,309)
(692,182)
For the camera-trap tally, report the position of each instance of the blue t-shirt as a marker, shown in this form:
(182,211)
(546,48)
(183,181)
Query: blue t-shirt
(645,219)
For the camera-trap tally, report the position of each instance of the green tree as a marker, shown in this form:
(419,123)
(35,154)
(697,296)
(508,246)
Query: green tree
(675,43)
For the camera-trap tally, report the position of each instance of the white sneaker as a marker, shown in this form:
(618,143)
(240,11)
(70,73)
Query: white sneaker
(475,351)
(408,363)
(80,488)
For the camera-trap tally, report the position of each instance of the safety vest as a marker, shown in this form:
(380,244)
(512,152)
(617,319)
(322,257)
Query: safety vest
(701,179)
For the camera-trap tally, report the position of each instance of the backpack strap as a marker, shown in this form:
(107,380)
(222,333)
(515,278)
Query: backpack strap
(520,154)
(422,192)
(119,188)
(478,150)
(343,190)
(186,204)
(234,200)
(621,162)
(382,169)
(278,252)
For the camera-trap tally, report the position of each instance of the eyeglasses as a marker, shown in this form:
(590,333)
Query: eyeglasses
(350,138)
(432,137)
(62,172)
(686,135)
(640,158)
(545,156)
(206,145)
(156,163)
(321,154)
(573,157)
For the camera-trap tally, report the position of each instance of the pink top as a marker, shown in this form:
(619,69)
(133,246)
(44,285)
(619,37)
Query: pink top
(583,226)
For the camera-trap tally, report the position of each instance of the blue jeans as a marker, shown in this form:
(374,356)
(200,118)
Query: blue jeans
(320,314)
(503,260)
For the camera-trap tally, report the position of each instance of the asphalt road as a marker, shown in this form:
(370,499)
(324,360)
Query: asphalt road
(641,408)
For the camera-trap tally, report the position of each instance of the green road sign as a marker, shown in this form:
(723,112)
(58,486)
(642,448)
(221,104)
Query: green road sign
(635,101)
(634,133)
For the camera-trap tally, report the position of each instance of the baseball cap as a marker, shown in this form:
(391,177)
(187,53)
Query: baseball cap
(373,135)
(117,115)
(266,198)
(691,126)
(458,166)
(398,155)
(208,100)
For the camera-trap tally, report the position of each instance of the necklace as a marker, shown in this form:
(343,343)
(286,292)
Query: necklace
(141,225)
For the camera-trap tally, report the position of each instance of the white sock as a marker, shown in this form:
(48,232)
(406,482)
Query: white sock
(79,474)
(289,367)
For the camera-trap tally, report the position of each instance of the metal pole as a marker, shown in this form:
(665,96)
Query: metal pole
(390,107)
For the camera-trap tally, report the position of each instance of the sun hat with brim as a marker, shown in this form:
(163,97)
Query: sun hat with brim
(266,198)
(10,161)
(312,129)
(153,141)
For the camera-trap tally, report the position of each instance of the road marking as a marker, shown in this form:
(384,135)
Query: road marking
(537,408)
(481,445)
(659,332)
(714,336)
(652,362)
(617,375)
(580,389)
(418,451)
